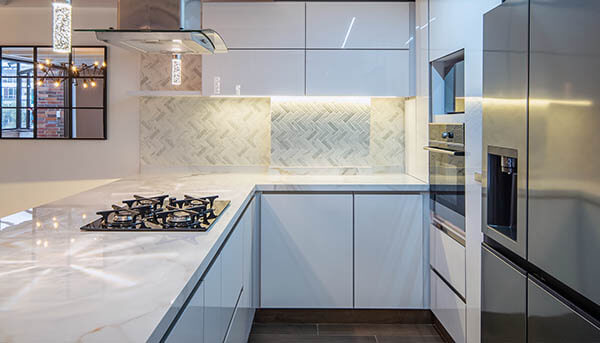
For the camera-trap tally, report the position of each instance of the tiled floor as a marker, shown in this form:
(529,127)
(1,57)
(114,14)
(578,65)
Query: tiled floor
(343,333)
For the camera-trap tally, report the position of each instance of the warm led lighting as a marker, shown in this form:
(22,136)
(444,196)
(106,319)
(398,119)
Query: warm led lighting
(41,66)
(55,225)
(56,84)
(176,70)
(365,100)
(103,64)
(47,61)
(85,84)
(38,224)
(84,216)
(93,83)
(40,82)
(61,26)
(74,69)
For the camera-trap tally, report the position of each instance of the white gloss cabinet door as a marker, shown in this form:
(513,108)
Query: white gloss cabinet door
(357,72)
(388,251)
(254,73)
(257,24)
(306,251)
(232,272)
(449,309)
(214,326)
(190,326)
(352,25)
(247,306)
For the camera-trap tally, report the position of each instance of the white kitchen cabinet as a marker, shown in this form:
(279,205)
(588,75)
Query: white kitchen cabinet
(232,272)
(366,25)
(214,325)
(257,24)
(448,258)
(449,309)
(306,251)
(254,73)
(388,251)
(190,325)
(357,72)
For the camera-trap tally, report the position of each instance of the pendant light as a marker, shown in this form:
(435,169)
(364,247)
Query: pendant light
(176,70)
(61,25)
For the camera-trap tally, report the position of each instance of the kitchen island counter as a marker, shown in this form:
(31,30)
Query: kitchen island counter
(62,284)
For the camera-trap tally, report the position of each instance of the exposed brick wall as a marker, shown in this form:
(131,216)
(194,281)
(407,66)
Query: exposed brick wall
(51,121)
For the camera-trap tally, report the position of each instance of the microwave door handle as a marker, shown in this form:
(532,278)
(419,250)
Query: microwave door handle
(444,151)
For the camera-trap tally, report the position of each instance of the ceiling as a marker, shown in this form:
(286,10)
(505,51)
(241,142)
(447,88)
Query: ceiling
(44,3)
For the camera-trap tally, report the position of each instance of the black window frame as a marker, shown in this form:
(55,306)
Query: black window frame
(68,129)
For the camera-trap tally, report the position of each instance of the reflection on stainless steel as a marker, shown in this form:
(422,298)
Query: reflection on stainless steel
(505,62)
(444,151)
(541,118)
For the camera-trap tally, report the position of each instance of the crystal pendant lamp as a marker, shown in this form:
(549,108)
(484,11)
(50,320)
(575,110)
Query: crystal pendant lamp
(61,25)
(176,70)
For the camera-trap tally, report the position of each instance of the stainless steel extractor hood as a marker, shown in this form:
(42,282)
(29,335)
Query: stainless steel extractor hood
(161,27)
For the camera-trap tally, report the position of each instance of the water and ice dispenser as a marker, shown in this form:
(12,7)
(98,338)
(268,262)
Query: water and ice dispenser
(502,190)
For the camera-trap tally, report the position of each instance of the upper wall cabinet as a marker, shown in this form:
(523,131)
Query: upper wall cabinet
(257,25)
(254,73)
(357,72)
(357,25)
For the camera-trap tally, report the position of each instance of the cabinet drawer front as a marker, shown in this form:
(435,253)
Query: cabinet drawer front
(448,258)
(253,73)
(449,309)
(369,25)
(257,25)
(357,72)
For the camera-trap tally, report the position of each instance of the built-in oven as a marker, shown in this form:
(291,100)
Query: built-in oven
(447,174)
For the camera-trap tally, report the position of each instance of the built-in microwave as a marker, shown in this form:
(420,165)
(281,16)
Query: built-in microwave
(447,174)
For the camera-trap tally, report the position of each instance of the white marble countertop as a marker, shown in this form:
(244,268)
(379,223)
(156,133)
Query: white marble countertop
(60,284)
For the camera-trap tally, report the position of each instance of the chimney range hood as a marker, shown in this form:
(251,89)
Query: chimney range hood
(161,27)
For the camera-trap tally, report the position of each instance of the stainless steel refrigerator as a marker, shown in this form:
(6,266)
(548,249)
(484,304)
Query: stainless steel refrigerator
(541,172)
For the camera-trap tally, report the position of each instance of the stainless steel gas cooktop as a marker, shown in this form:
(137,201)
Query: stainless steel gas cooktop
(160,213)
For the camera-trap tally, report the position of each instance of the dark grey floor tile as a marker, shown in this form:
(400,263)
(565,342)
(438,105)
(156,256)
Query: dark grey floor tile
(285,329)
(377,330)
(409,339)
(258,338)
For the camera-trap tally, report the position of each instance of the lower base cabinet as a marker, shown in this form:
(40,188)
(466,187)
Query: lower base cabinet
(190,326)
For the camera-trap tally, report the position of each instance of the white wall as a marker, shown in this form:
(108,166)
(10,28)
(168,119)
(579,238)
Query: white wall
(455,25)
(42,160)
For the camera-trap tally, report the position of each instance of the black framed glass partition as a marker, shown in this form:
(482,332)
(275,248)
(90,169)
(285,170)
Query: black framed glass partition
(48,95)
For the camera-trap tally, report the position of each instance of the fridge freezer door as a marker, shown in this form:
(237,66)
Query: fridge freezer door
(564,136)
(505,63)
(550,320)
(503,300)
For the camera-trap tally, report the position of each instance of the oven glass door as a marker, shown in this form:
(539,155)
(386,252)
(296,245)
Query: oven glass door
(447,179)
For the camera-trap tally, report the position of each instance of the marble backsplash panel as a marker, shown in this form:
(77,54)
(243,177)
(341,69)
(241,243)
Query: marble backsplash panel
(317,133)
(291,133)
(199,131)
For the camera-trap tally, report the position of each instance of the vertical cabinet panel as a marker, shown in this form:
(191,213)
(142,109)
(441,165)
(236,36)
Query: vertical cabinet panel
(254,73)
(388,251)
(357,72)
(369,25)
(257,25)
(214,326)
(449,309)
(306,250)
(247,306)
(190,326)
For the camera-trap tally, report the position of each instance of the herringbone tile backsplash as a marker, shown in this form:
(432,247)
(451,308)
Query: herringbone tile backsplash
(301,132)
